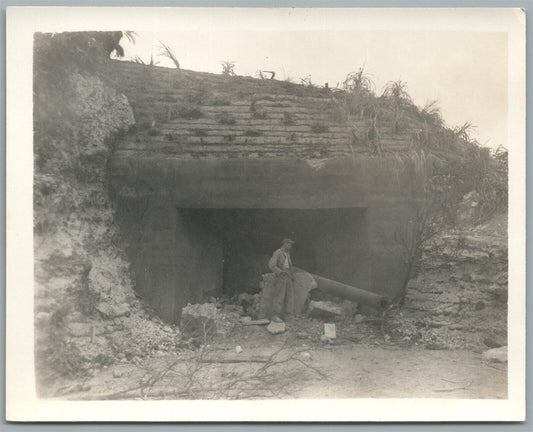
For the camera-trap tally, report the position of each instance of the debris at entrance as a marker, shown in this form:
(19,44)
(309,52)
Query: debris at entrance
(276,328)
(329,331)
(199,319)
(111,311)
(324,310)
(257,322)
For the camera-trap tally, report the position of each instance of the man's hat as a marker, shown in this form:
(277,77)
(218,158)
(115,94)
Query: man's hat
(287,240)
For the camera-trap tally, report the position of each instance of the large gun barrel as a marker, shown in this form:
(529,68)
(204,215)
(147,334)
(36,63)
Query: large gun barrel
(348,292)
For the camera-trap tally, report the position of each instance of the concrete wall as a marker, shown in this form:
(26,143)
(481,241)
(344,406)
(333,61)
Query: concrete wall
(211,225)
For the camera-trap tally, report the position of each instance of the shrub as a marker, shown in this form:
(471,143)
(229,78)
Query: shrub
(200,132)
(189,113)
(228,67)
(226,118)
(288,119)
(253,133)
(319,128)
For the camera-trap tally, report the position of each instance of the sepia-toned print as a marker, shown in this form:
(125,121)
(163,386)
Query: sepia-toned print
(268,215)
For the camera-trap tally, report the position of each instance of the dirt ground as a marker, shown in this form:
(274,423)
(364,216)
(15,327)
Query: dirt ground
(296,364)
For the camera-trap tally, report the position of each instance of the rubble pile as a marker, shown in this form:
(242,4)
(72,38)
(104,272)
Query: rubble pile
(87,315)
(459,298)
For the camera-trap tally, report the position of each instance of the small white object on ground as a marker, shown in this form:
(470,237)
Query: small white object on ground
(276,328)
(305,356)
(329,331)
(238,349)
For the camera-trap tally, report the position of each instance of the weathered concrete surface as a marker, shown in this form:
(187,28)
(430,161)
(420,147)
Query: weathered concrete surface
(197,115)
(205,143)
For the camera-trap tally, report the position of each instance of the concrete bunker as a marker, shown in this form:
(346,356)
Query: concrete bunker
(197,228)
(205,199)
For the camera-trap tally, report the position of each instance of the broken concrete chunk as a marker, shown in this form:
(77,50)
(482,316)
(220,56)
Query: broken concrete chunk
(498,355)
(324,338)
(329,331)
(199,319)
(245,319)
(324,310)
(349,308)
(358,318)
(495,341)
(305,356)
(111,311)
(257,322)
(276,328)
(78,329)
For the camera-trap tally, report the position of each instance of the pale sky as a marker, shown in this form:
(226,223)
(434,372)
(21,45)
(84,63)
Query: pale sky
(465,71)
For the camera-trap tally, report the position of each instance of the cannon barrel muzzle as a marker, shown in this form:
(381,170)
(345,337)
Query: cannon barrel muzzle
(348,292)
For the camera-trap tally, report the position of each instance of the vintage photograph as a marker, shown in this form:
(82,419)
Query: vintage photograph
(250,214)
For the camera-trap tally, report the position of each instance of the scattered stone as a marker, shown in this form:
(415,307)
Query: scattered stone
(301,335)
(324,338)
(257,322)
(324,310)
(117,373)
(358,318)
(199,319)
(238,349)
(456,327)
(245,319)
(110,311)
(79,329)
(495,341)
(329,331)
(349,308)
(498,355)
(233,308)
(276,328)
(305,356)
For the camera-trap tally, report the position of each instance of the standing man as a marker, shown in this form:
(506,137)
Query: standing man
(281,266)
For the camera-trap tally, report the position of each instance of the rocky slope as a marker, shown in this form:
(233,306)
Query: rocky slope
(459,298)
(86,311)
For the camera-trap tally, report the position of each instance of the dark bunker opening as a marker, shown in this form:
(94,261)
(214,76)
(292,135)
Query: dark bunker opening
(229,249)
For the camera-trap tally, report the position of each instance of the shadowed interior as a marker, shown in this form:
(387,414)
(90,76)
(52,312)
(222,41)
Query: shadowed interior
(331,242)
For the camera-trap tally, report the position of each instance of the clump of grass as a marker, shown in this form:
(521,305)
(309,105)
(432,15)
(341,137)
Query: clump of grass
(257,113)
(166,51)
(261,115)
(220,102)
(189,113)
(228,67)
(253,133)
(226,118)
(288,119)
(319,128)
(197,96)
(200,132)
